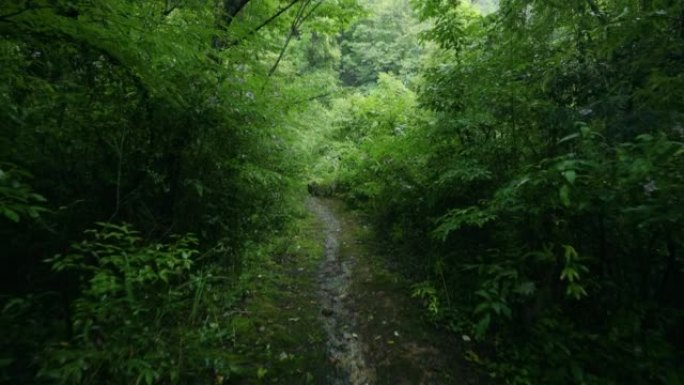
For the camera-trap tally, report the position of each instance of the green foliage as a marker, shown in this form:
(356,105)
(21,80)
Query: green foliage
(531,169)
(155,288)
(426,292)
(486,6)
(17,200)
(173,116)
(370,149)
(386,41)
(540,186)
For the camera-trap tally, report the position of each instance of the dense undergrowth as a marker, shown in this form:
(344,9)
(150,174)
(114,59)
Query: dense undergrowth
(149,168)
(531,173)
(525,165)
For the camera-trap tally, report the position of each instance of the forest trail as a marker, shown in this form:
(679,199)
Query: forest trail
(340,323)
(374,330)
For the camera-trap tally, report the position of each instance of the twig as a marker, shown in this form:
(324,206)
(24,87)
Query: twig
(233,9)
(266,22)
(311,98)
(313,9)
(296,23)
(118,175)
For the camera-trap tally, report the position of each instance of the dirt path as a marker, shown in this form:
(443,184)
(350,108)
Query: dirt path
(375,334)
(340,322)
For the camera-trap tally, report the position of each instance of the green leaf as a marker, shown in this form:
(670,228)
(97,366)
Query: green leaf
(526,288)
(38,197)
(10,214)
(261,373)
(481,308)
(564,195)
(570,176)
(585,130)
(569,137)
(483,294)
(569,253)
(569,274)
(483,325)
(5,362)
(575,290)
(458,218)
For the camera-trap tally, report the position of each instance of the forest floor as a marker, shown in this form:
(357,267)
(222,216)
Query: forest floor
(334,313)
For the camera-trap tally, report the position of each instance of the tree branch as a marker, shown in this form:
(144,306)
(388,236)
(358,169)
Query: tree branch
(313,9)
(312,98)
(266,22)
(298,20)
(232,8)
(17,13)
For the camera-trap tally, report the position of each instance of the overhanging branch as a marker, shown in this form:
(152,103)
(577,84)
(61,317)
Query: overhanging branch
(266,22)
(296,23)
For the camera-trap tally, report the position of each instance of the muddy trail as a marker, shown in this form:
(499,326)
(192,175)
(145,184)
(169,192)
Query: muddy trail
(374,329)
(345,348)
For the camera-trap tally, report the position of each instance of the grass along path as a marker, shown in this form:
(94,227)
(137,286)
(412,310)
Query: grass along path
(323,309)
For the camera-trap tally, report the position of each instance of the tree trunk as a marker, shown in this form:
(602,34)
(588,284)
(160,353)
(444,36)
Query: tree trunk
(230,9)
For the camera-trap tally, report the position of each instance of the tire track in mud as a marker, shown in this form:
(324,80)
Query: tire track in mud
(344,345)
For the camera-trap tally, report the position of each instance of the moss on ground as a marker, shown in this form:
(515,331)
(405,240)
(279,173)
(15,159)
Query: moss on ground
(279,329)
(280,332)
